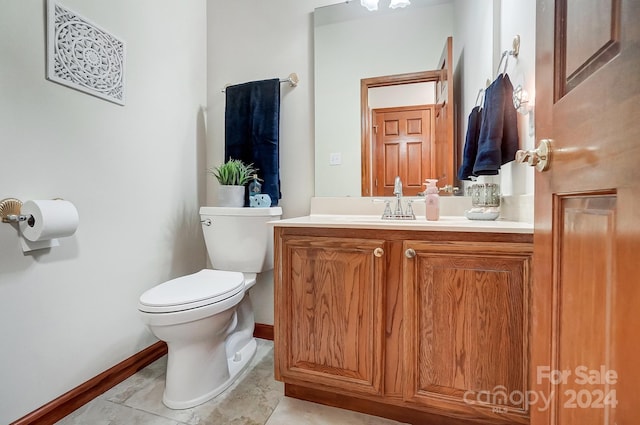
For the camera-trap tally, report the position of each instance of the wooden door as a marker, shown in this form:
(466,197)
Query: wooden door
(586,310)
(329,320)
(402,139)
(444,151)
(466,308)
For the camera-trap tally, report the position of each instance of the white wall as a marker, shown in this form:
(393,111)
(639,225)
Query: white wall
(483,30)
(254,40)
(402,95)
(519,17)
(135,173)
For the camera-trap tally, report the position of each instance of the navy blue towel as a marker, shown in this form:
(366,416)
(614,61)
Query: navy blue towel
(510,142)
(252,121)
(470,144)
(498,140)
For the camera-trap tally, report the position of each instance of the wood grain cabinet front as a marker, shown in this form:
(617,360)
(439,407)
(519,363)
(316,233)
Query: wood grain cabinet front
(330,312)
(422,328)
(466,309)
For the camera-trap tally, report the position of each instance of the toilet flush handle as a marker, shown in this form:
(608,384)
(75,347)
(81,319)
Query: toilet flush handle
(206,222)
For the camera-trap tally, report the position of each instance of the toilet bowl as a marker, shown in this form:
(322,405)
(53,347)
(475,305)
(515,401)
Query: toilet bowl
(206,318)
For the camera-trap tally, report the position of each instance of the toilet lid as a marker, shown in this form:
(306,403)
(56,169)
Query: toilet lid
(195,290)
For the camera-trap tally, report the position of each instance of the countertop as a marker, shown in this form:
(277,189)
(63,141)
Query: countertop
(445,224)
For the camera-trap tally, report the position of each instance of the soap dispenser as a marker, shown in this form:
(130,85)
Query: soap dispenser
(432,200)
(256,198)
(255,187)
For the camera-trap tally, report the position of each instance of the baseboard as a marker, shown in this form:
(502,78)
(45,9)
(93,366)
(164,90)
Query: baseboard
(57,409)
(263,331)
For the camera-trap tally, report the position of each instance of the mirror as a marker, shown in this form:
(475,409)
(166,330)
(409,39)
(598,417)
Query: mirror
(353,45)
(412,139)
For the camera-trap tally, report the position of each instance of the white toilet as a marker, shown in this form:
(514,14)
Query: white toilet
(206,318)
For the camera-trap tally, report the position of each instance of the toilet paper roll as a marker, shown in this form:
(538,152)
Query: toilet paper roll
(48,219)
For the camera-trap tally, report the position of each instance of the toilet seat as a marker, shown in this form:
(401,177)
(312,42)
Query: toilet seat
(192,291)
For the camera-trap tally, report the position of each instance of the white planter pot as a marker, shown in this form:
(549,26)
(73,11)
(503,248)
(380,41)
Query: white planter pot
(231,196)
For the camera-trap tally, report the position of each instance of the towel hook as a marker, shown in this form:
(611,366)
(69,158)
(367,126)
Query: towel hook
(479,97)
(515,51)
(515,44)
(293,79)
(506,64)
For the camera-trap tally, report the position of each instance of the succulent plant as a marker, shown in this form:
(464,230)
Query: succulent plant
(234,172)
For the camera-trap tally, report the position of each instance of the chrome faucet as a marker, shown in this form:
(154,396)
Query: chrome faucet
(397,214)
(397,186)
(397,191)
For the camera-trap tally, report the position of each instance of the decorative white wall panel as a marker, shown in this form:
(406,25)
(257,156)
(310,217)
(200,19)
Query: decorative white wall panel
(84,56)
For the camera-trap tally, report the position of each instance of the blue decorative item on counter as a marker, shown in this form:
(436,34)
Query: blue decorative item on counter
(260,200)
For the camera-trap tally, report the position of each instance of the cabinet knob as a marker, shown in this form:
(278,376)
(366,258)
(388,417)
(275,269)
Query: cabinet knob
(410,253)
(378,252)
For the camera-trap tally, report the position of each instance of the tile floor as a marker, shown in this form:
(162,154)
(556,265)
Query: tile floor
(256,398)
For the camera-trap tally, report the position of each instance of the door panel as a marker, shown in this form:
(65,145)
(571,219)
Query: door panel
(586,295)
(391,164)
(402,147)
(587,37)
(414,176)
(586,286)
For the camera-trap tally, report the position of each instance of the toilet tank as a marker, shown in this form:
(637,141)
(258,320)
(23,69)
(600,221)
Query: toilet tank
(239,239)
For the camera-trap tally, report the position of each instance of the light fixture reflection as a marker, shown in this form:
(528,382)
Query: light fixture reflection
(399,3)
(371,5)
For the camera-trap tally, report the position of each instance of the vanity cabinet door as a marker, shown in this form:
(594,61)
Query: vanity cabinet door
(466,336)
(329,319)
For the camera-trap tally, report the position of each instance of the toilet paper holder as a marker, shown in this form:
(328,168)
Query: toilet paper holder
(40,222)
(10,211)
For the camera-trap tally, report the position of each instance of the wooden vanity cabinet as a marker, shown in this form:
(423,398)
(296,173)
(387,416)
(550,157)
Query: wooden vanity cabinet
(422,327)
(466,307)
(330,319)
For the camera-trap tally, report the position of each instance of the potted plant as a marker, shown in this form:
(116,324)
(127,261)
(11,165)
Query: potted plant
(233,175)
